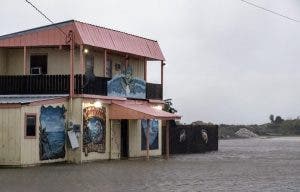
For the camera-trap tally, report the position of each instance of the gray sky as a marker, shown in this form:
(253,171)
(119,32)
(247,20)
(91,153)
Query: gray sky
(227,62)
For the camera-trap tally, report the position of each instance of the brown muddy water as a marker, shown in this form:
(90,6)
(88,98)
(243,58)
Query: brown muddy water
(271,164)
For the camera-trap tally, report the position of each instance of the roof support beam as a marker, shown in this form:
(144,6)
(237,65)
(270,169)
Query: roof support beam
(162,76)
(81,60)
(105,63)
(72,47)
(145,69)
(25,60)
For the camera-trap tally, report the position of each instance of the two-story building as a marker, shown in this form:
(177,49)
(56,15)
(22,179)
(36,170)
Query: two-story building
(77,92)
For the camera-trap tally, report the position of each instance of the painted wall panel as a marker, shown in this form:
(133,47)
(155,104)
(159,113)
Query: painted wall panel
(30,147)
(95,155)
(10,136)
(135,140)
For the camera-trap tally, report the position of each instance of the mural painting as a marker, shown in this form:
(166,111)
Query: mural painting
(94,122)
(153,132)
(52,132)
(125,85)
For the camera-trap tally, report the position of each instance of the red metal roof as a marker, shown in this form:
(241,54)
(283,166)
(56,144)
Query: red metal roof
(85,34)
(126,110)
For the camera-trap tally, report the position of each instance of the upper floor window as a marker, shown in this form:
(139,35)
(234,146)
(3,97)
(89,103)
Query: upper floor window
(38,64)
(30,126)
(89,65)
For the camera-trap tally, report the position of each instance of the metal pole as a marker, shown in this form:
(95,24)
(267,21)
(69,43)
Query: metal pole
(162,78)
(110,141)
(147,138)
(71,36)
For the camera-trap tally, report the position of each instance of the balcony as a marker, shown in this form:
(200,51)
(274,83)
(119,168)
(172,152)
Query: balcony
(60,84)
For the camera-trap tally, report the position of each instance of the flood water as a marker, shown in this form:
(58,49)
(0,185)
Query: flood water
(270,164)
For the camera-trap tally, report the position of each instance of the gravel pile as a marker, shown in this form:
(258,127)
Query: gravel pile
(245,133)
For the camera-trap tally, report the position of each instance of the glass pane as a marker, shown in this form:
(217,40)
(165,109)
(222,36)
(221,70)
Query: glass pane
(30,125)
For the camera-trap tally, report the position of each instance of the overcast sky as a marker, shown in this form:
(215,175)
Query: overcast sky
(227,62)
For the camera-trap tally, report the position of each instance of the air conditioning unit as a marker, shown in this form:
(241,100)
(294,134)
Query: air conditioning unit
(36,71)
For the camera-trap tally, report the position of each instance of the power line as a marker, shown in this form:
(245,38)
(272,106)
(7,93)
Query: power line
(273,12)
(46,17)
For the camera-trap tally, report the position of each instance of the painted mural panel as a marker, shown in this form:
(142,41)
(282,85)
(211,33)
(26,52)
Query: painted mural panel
(52,132)
(94,122)
(125,85)
(153,133)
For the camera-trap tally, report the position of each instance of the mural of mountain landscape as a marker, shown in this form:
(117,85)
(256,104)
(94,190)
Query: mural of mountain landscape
(94,120)
(153,132)
(52,132)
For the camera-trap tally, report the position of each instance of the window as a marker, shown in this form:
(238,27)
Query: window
(38,64)
(30,126)
(108,68)
(89,65)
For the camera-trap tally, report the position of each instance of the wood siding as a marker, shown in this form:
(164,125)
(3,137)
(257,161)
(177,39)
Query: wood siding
(11,61)
(10,136)
(2,61)
(58,60)
(14,65)
(137,66)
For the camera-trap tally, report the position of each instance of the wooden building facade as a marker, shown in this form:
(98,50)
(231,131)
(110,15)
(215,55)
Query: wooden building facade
(76,92)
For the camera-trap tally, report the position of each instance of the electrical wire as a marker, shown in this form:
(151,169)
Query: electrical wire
(268,10)
(46,17)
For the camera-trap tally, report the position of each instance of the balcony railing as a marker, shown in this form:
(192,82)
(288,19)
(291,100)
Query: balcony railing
(60,84)
(34,84)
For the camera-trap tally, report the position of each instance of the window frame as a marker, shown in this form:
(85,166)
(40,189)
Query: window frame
(25,125)
(47,61)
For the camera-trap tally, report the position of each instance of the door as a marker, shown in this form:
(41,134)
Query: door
(124,138)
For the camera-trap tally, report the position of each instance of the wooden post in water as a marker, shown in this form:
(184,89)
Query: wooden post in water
(148,137)
(167,140)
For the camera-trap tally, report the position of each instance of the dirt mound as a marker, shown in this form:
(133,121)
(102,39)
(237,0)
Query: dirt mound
(245,133)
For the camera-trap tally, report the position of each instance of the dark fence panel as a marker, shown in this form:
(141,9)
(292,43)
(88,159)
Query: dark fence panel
(35,84)
(192,138)
(154,91)
(60,84)
(91,85)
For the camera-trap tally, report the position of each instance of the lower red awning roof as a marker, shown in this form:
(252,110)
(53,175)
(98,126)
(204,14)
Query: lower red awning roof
(138,111)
